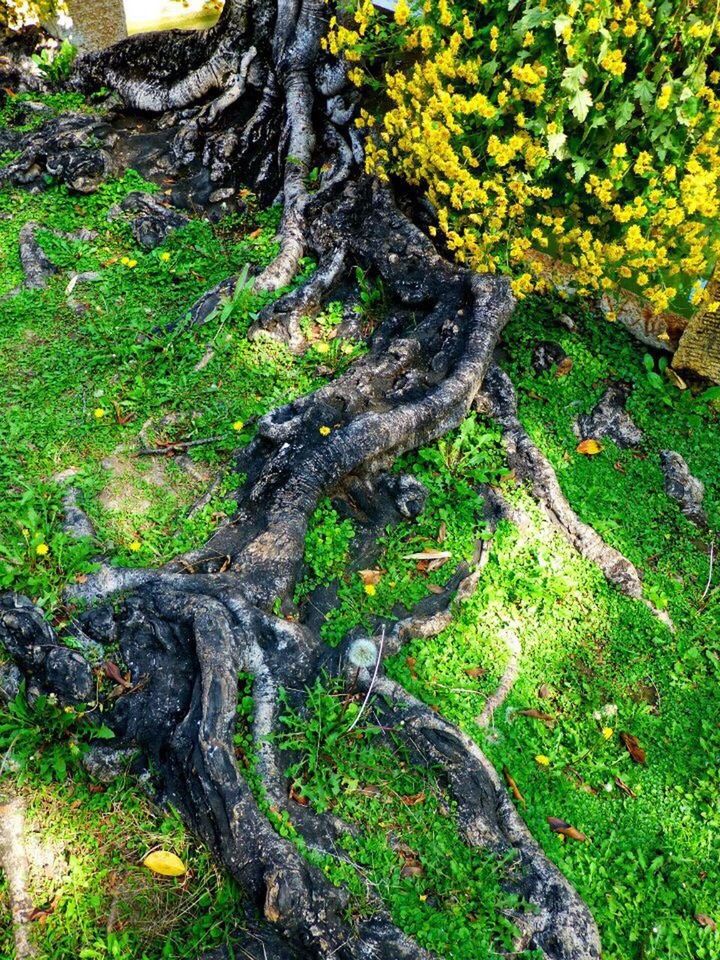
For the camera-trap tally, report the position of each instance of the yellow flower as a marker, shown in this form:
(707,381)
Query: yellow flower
(370,589)
(42,549)
(132,263)
(238,425)
(165,256)
(134,545)
(607,733)
(542,760)
(402,13)
(325,431)
(619,150)
(98,413)
(322,347)
(128,262)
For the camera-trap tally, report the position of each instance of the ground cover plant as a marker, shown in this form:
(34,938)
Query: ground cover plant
(350,607)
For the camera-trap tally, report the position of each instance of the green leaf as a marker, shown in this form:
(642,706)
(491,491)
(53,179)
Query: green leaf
(103,733)
(574,78)
(623,114)
(556,145)
(580,104)
(561,23)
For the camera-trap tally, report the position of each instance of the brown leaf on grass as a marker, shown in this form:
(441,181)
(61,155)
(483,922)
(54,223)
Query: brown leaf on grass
(370,577)
(429,555)
(621,785)
(512,786)
(705,921)
(112,672)
(40,914)
(565,829)
(442,532)
(564,367)
(537,715)
(413,799)
(411,866)
(589,447)
(633,747)
(476,672)
(411,664)
(370,790)
(297,797)
(544,692)
(435,588)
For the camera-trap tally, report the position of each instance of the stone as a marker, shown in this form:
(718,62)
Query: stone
(610,419)
(547,355)
(682,486)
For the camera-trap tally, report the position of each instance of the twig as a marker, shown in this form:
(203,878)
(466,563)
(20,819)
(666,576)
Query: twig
(173,447)
(372,683)
(710,574)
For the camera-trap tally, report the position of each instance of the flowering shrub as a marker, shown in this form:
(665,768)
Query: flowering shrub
(586,131)
(19,13)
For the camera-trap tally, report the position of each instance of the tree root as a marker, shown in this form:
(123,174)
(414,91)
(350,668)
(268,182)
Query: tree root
(530,464)
(259,99)
(13,862)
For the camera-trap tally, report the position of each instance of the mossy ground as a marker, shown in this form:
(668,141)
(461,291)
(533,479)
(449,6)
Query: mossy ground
(648,866)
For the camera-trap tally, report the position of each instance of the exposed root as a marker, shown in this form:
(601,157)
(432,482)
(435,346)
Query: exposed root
(530,464)
(13,862)
(255,101)
(507,681)
(558,923)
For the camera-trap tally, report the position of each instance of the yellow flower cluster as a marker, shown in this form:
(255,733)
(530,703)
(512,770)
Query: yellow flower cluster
(554,139)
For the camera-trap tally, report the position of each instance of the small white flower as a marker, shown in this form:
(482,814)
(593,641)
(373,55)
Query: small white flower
(362,653)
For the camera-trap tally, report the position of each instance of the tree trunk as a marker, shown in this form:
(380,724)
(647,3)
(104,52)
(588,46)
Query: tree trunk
(699,348)
(96,25)
(255,101)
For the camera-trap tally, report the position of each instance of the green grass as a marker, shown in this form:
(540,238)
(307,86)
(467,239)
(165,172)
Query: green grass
(647,868)
(602,660)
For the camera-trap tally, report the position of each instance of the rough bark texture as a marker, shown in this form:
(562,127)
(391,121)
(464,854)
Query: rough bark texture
(97,24)
(699,348)
(254,100)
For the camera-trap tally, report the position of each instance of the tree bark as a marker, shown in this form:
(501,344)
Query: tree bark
(255,101)
(97,24)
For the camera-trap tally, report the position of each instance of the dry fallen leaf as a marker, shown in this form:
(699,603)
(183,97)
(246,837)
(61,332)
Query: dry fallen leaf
(513,787)
(565,829)
(674,379)
(413,799)
(564,367)
(621,785)
(537,715)
(370,576)
(633,747)
(429,555)
(435,588)
(297,797)
(705,921)
(442,532)
(112,671)
(589,447)
(165,863)
(544,692)
(475,672)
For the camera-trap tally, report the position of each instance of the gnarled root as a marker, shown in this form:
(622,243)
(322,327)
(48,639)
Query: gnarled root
(530,464)
(262,104)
